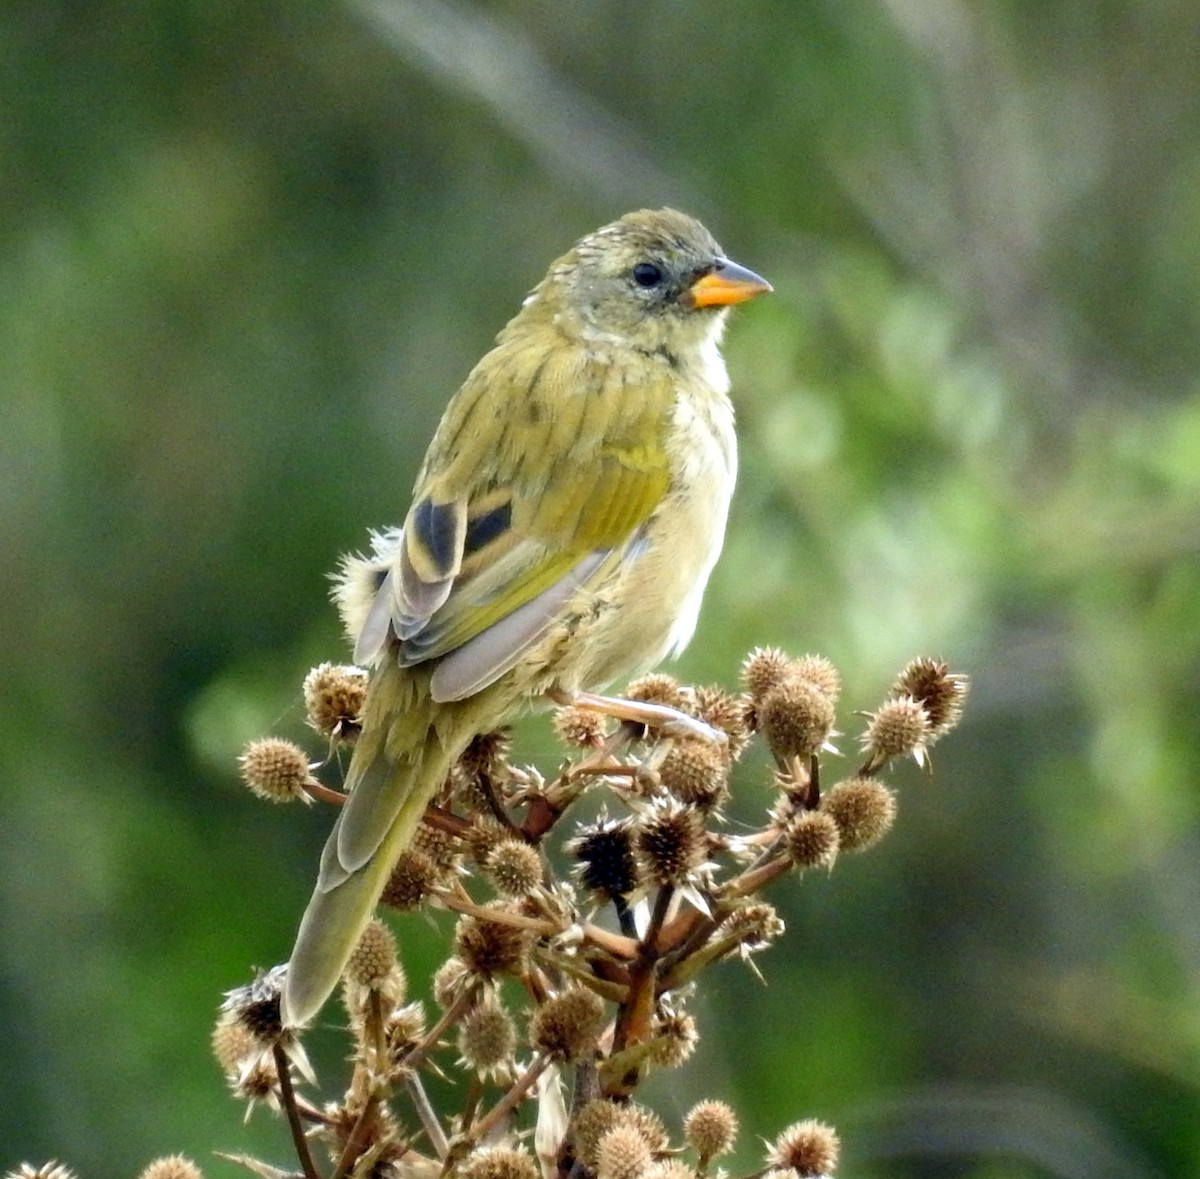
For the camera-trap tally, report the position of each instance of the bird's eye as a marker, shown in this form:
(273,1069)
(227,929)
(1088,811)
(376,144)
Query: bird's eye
(646,274)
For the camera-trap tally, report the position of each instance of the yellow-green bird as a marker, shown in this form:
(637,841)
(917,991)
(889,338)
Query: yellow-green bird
(563,526)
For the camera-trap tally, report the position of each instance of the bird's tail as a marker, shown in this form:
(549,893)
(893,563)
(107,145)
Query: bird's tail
(347,892)
(406,748)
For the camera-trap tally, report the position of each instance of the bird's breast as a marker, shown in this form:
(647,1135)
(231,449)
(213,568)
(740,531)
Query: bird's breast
(648,609)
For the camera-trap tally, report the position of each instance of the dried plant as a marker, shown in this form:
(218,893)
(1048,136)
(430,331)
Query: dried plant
(601,929)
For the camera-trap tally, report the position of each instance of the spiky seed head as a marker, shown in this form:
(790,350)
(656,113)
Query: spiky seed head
(592,1122)
(807,1149)
(256,1005)
(863,809)
(441,848)
(490,949)
(334,695)
(757,925)
(172,1166)
(258,1081)
(900,726)
(276,770)
(671,843)
(487,753)
(50,1170)
(605,859)
(622,1153)
(487,1038)
(450,980)
(374,957)
(597,1117)
(725,711)
(812,840)
(675,1039)
(514,868)
(658,688)
(373,969)
(941,691)
(413,877)
(403,1027)
(818,670)
(580,728)
(763,669)
(670,1169)
(567,1026)
(696,772)
(710,1128)
(796,717)
(484,836)
(233,1044)
(498,1162)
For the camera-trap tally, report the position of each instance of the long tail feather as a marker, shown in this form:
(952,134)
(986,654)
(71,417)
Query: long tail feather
(342,902)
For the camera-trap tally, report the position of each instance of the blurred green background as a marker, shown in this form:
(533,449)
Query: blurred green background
(246,254)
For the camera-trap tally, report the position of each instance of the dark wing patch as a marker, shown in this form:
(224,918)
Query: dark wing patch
(436,527)
(487,527)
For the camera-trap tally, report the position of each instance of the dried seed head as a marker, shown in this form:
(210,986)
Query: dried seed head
(757,926)
(492,948)
(413,877)
(818,670)
(899,727)
(441,848)
(606,863)
(487,1038)
(256,1005)
(568,1025)
(807,1149)
(275,770)
(580,728)
(727,712)
(597,1117)
(696,772)
(498,1162)
(658,688)
(374,957)
(592,1122)
(450,980)
(403,1027)
(671,843)
(257,1081)
(863,809)
(373,968)
(812,840)
(173,1166)
(763,669)
(796,717)
(233,1045)
(622,1153)
(333,698)
(487,753)
(675,1039)
(514,868)
(710,1129)
(931,683)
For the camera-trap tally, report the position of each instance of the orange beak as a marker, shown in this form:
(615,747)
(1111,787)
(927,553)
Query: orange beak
(727,283)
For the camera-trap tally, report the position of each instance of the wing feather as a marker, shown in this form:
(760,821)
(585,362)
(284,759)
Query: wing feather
(530,490)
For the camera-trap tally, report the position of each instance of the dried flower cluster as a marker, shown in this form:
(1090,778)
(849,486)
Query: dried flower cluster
(574,951)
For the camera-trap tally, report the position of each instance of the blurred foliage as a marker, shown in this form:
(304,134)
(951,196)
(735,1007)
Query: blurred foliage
(247,253)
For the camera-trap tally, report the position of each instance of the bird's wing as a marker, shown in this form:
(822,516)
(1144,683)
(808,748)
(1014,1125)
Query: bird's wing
(501,535)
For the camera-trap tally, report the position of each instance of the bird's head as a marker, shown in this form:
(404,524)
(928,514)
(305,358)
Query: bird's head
(656,279)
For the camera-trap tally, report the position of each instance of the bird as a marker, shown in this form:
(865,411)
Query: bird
(562,529)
